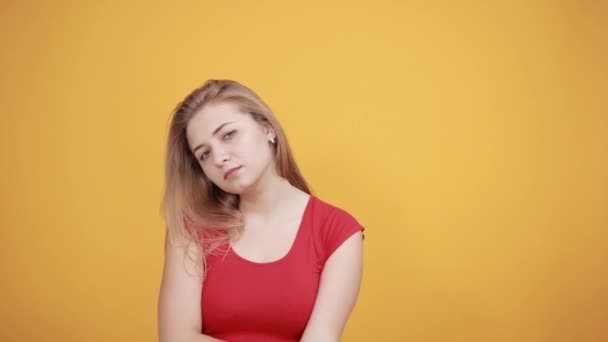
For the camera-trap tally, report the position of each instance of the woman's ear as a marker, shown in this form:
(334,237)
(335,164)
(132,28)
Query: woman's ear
(270,134)
(269,131)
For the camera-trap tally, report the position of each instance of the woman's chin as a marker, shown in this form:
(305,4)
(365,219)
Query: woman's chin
(238,189)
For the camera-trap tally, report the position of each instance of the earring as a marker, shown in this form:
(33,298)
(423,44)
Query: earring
(271,139)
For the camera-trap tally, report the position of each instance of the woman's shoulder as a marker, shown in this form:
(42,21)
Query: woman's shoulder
(331,212)
(324,204)
(331,225)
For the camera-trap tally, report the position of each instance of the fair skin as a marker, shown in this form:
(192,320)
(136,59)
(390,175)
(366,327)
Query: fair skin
(223,139)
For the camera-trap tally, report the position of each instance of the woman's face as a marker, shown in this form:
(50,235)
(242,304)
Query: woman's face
(231,147)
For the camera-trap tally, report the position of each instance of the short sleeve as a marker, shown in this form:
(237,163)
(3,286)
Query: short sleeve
(340,226)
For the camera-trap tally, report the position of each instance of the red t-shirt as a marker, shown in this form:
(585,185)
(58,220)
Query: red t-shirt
(248,301)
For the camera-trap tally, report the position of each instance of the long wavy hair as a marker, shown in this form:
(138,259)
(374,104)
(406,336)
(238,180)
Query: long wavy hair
(194,208)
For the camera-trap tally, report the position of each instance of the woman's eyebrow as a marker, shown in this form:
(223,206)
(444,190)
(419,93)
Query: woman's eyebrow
(214,133)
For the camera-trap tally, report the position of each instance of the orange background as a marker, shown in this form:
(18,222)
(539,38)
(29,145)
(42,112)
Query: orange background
(470,139)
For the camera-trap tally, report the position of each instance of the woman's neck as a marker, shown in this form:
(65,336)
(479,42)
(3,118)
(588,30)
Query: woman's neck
(268,198)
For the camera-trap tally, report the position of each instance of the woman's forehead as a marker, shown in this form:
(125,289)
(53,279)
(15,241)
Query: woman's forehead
(213,112)
(210,119)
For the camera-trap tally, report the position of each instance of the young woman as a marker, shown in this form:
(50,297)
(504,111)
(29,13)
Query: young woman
(250,254)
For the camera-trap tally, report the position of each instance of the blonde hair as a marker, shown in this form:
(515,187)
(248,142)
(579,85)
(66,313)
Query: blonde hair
(195,209)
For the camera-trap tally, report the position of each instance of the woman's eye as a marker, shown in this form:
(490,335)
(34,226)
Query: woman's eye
(229,134)
(204,155)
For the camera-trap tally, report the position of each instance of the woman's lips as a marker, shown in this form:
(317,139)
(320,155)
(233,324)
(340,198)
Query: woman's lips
(231,172)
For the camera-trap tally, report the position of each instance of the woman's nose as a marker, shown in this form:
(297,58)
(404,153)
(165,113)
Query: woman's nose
(221,157)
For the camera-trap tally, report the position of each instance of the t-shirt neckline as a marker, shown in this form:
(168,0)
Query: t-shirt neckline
(293,244)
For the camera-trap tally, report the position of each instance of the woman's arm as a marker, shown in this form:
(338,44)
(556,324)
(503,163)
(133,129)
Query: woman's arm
(338,291)
(179,311)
